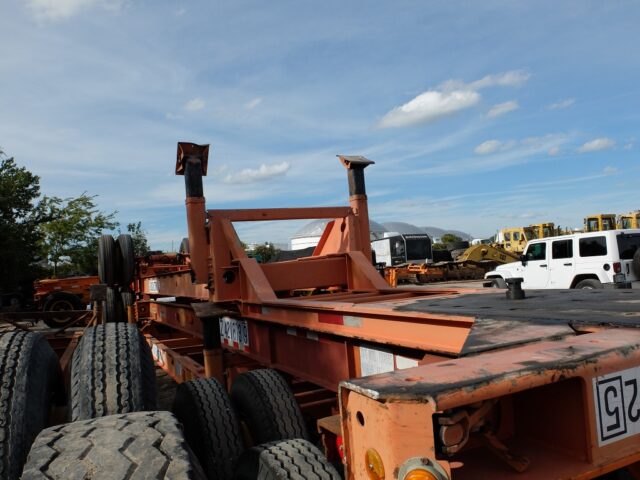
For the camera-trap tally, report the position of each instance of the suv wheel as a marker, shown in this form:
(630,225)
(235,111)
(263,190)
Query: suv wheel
(589,284)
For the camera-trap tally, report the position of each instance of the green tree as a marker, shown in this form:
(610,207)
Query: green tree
(20,216)
(264,253)
(70,237)
(450,238)
(139,237)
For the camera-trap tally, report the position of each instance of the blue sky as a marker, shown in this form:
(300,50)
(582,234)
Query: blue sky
(479,115)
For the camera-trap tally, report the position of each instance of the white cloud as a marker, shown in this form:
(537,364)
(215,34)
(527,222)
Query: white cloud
(512,78)
(450,97)
(502,108)
(250,175)
(44,10)
(562,104)
(602,143)
(194,104)
(609,170)
(250,105)
(429,106)
(553,151)
(490,146)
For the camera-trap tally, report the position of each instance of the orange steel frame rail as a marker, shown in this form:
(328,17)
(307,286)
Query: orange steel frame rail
(530,404)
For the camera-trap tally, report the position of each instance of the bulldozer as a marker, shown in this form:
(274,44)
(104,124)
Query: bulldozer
(544,230)
(629,220)
(600,222)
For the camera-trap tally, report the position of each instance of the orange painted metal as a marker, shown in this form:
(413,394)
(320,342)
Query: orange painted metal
(77,286)
(272,214)
(544,393)
(492,393)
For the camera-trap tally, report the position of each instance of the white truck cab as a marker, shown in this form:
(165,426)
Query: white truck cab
(581,260)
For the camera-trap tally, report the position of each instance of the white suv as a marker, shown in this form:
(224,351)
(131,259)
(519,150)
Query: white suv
(581,260)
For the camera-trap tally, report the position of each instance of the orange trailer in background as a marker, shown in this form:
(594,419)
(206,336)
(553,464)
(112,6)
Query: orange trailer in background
(402,384)
(57,294)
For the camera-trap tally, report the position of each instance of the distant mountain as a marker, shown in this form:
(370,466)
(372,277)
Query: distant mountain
(439,232)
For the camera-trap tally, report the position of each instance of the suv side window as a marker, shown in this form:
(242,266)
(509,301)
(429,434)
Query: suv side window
(537,251)
(562,249)
(593,246)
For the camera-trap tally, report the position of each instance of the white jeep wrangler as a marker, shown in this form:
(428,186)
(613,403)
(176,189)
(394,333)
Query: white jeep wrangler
(580,260)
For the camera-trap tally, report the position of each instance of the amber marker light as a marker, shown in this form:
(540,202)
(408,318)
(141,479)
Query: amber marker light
(375,468)
(420,474)
(422,468)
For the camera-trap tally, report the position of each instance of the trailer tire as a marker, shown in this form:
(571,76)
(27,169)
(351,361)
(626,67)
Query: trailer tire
(107,263)
(294,459)
(210,426)
(112,372)
(589,284)
(113,308)
(146,445)
(266,404)
(58,302)
(126,260)
(30,379)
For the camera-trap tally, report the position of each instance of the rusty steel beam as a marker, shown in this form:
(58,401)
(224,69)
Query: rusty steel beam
(271,214)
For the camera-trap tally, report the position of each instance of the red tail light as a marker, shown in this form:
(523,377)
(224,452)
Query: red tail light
(340,447)
(617,267)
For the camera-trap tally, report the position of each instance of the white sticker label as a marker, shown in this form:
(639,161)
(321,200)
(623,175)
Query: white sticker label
(153,286)
(404,362)
(234,333)
(617,401)
(374,361)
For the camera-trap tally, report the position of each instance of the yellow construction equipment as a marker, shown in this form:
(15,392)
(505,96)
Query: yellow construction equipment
(514,239)
(487,253)
(629,220)
(600,222)
(544,230)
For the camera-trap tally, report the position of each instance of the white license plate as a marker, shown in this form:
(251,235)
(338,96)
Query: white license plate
(617,401)
(234,333)
(153,286)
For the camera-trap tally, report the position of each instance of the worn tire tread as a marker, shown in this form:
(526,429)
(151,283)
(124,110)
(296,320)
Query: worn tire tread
(29,377)
(127,260)
(266,403)
(146,445)
(107,264)
(210,424)
(293,459)
(112,372)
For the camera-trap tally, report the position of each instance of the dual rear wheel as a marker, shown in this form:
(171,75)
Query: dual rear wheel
(115,430)
(116,269)
(265,405)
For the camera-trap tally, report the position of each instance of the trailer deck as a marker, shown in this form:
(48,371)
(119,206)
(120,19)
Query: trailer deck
(454,382)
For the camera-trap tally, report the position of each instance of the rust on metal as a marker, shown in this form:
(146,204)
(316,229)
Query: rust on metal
(187,149)
(462,382)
